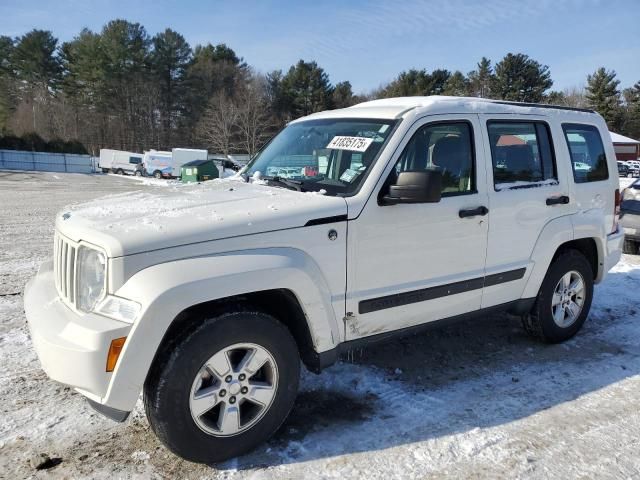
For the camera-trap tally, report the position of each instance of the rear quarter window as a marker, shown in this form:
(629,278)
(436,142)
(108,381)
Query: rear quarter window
(588,159)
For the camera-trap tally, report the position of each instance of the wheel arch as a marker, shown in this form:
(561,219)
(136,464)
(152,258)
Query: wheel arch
(281,303)
(558,236)
(173,293)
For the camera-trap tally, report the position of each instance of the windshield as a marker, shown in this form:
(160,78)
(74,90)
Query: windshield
(333,155)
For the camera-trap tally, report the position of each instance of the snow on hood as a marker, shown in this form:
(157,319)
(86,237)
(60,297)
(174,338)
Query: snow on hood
(137,222)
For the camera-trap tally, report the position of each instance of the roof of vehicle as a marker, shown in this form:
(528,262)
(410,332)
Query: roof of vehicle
(392,108)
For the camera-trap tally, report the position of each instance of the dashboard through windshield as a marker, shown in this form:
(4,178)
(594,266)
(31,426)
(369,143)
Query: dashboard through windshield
(333,155)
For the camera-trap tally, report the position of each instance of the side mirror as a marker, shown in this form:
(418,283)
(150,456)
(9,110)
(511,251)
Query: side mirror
(423,186)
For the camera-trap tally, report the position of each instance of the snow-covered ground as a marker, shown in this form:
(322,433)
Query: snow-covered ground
(476,400)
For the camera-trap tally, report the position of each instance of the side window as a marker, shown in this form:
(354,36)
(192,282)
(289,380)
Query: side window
(135,160)
(588,160)
(448,146)
(521,152)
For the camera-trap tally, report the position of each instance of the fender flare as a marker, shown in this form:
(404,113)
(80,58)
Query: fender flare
(555,233)
(167,289)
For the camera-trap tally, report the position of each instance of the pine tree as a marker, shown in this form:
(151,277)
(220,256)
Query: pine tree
(307,89)
(343,95)
(7,83)
(481,78)
(520,78)
(604,97)
(631,126)
(457,85)
(35,62)
(169,60)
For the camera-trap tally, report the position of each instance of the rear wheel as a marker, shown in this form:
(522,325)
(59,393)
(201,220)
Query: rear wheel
(564,299)
(157,174)
(630,247)
(120,171)
(225,388)
(138,173)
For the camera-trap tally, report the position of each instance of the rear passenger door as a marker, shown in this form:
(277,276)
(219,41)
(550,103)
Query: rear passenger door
(527,189)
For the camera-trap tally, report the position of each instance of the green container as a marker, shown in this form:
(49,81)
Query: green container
(198,171)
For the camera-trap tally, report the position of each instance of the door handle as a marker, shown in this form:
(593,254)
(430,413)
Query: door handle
(561,200)
(473,212)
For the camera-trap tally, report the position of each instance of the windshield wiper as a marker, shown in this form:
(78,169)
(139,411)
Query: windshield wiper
(284,182)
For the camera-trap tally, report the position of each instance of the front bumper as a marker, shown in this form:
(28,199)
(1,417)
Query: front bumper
(72,347)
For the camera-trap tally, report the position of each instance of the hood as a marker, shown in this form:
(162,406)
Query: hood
(138,222)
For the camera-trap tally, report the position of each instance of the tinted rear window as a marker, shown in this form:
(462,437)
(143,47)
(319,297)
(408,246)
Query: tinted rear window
(588,160)
(521,152)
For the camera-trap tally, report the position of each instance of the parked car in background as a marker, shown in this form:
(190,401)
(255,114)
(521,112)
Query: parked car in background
(623,169)
(423,209)
(120,162)
(230,165)
(630,217)
(634,169)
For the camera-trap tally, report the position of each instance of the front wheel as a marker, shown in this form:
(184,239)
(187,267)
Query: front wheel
(564,299)
(225,388)
(157,174)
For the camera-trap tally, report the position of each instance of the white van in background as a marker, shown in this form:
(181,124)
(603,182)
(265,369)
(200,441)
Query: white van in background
(161,164)
(120,162)
(158,164)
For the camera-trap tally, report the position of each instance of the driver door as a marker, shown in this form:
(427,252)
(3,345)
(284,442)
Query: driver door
(410,264)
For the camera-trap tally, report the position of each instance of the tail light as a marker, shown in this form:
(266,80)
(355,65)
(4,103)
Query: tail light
(616,210)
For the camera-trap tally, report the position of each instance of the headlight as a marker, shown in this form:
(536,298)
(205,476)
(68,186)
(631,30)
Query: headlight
(91,278)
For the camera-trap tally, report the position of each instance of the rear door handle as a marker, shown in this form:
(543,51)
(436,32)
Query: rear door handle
(561,200)
(473,212)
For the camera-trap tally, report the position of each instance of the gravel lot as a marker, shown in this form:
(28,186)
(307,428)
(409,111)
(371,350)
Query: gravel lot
(477,400)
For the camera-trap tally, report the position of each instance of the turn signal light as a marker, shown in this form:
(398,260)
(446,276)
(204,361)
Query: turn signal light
(114,352)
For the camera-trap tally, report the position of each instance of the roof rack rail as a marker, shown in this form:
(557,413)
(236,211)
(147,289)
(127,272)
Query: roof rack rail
(543,105)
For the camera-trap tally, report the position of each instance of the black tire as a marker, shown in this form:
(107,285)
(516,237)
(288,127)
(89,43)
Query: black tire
(168,386)
(138,173)
(539,323)
(630,247)
(157,174)
(120,171)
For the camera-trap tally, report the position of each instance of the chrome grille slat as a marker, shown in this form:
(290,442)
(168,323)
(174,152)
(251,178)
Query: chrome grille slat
(64,268)
(72,275)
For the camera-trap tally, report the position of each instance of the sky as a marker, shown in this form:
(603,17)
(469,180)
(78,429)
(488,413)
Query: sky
(370,42)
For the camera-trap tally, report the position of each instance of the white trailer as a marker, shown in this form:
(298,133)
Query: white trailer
(180,156)
(119,161)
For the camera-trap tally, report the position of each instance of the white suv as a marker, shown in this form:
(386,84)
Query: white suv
(403,212)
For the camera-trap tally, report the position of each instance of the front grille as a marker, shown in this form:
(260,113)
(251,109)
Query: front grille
(64,268)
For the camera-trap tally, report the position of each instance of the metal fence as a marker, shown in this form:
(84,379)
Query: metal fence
(47,162)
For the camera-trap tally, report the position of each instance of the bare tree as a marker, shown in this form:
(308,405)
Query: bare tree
(255,124)
(218,126)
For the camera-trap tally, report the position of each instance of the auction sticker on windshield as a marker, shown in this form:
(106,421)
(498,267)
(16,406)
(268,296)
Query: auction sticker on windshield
(355,144)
